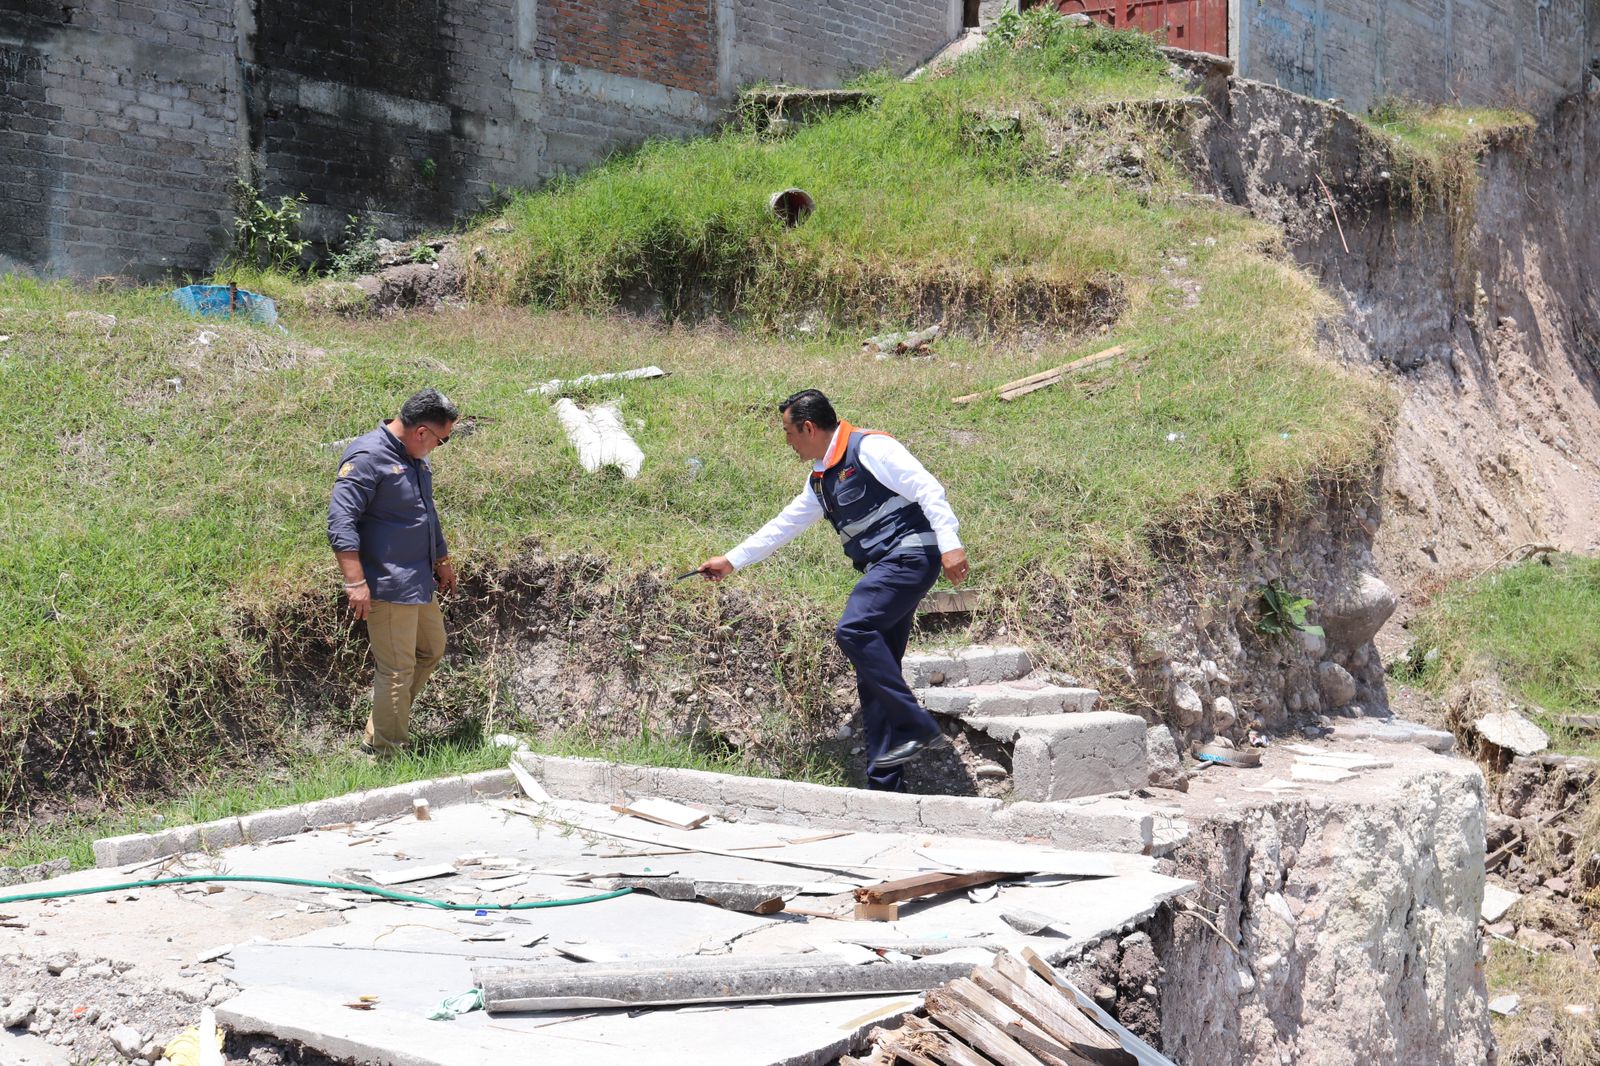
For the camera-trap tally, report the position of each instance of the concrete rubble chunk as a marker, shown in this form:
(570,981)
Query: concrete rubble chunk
(1506,1004)
(16,1013)
(1166,765)
(128,1040)
(1510,730)
(1064,756)
(1496,902)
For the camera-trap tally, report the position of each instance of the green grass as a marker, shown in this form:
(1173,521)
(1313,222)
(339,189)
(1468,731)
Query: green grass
(1536,625)
(1440,132)
(923,202)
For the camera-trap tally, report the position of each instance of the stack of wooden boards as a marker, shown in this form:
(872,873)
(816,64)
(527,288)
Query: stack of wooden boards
(1014,1012)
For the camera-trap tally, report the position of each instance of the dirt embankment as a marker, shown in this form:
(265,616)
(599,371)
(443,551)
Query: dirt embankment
(1479,308)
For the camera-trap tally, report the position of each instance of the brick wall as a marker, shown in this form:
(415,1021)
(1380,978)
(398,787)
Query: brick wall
(118,125)
(123,123)
(1527,53)
(674,40)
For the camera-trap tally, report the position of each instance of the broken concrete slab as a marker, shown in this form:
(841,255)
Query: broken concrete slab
(799,1033)
(677,982)
(1303,771)
(1394,731)
(1117,824)
(1510,730)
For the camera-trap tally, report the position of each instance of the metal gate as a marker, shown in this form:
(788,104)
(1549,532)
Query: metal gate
(1200,25)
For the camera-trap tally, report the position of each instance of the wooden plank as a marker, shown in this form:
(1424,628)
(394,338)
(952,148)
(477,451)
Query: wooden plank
(1043,970)
(1050,376)
(933,884)
(530,786)
(976,1030)
(1004,1016)
(1046,1050)
(876,912)
(1007,395)
(663,812)
(1048,1009)
(942,1046)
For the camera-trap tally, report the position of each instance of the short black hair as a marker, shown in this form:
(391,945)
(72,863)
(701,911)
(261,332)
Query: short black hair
(428,405)
(809,405)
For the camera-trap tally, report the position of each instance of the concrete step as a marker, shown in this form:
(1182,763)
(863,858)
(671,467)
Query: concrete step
(978,664)
(1064,756)
(1009,698)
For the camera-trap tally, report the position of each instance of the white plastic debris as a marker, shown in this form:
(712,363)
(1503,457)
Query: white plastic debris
(599,437)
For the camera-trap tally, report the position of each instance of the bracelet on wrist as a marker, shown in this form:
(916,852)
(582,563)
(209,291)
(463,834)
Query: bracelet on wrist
(355,584)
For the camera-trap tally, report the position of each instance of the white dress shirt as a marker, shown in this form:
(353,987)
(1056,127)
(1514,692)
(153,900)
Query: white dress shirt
(885,459)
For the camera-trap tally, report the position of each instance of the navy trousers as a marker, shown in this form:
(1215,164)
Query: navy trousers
(873,635)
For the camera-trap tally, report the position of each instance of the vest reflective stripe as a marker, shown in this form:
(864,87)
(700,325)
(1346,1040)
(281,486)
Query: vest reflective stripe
(861,525)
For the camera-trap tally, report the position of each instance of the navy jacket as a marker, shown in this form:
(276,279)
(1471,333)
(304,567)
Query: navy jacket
(382,507)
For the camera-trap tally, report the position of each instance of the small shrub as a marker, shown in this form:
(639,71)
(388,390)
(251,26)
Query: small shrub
(269,234)
(358,250)
(1284,612)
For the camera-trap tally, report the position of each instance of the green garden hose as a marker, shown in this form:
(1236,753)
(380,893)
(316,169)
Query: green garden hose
(304,883)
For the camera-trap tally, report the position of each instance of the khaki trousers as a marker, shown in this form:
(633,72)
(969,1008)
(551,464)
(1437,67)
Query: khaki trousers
(407,643)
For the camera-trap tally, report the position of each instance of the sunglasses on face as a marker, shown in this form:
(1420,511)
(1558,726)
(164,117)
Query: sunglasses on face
(442,440)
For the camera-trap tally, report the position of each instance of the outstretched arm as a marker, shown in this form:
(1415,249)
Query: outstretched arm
(802,512)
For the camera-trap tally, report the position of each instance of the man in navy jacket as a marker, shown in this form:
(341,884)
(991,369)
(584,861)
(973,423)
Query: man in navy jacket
(386,536)
(898,530)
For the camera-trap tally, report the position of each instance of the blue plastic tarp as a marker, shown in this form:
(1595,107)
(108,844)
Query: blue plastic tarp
(213,300)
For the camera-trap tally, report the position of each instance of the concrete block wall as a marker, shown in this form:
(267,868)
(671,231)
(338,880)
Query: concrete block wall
(123,123)
(1510,53)
(119,134)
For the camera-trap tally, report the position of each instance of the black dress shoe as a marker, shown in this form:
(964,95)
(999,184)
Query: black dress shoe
(903,753)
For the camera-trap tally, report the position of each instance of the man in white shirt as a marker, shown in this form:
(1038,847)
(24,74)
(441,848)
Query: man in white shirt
(898,529)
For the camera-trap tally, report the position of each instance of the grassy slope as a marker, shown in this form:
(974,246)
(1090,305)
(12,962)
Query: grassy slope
(143,519)
(1534,624)
(924,193)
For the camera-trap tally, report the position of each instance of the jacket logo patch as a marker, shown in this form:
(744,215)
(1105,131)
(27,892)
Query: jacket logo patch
(345,470)
(847,473)
(396,469)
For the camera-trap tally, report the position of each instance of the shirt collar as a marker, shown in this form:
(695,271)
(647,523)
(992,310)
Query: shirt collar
(836,447)
(394,443)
